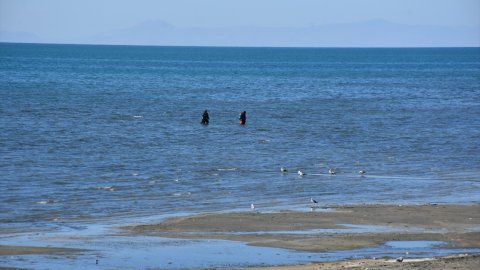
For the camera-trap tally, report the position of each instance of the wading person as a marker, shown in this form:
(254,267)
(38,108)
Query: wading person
(243,118)
(205,118)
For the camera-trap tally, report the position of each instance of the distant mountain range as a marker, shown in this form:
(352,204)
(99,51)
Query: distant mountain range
(374,33)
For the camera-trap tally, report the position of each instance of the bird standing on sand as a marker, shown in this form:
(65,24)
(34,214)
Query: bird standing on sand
(254,210)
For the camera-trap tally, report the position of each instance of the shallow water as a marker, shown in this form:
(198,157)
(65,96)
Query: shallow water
(111,133)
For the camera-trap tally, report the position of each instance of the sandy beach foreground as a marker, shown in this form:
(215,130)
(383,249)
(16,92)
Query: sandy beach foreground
(457,262)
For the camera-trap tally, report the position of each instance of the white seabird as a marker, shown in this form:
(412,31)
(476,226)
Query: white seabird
(301,173)
(313,201)
(331,171)
(283,170)
(362,172)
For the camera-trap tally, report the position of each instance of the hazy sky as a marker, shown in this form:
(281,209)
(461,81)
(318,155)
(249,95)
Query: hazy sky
(69,18)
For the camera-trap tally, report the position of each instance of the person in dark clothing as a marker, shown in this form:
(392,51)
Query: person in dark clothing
(205,118)
(243,118)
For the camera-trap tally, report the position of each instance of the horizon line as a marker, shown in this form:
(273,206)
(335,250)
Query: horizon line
(245,46)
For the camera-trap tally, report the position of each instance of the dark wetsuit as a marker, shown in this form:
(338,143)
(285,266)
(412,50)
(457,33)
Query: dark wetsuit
(243,118)
(205,118)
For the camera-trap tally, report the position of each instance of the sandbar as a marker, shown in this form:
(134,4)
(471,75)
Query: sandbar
(458,225)
(21,250)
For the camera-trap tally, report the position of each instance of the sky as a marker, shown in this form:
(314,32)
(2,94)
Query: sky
(73,20)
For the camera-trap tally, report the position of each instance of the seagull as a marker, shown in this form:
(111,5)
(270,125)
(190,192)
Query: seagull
(283,170)
(331,171)
(314,204)
(301,173)
(399,259)
(252,206)
(362,172)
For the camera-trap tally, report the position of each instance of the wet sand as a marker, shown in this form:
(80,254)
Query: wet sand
(459,225)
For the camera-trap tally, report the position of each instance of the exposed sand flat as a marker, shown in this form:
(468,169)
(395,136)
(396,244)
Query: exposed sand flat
(17,250)
(452,223)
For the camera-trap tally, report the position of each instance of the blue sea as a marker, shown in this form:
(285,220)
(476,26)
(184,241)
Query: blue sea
(90,134)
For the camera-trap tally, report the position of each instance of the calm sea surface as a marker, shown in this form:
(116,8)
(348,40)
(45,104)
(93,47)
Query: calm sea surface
(93,133)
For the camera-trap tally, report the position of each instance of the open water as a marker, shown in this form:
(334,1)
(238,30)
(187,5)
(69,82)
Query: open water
(91,133)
